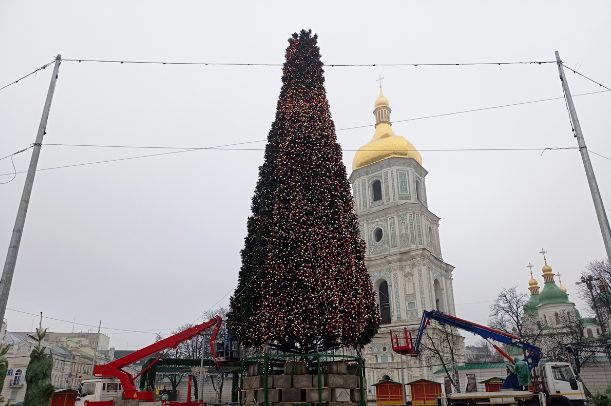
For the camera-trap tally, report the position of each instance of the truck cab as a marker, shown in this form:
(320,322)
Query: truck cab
(99,389)
(560,384)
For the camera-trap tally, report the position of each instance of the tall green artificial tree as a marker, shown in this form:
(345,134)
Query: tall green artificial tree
(303,285)
(38,374)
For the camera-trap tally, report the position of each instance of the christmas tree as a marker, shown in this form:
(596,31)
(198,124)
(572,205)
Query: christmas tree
(38,375)
(303,285)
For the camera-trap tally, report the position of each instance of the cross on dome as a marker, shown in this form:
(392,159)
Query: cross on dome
(530,267)
(543,252)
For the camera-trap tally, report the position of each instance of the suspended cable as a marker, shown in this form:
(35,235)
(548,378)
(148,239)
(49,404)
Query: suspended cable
(261,149)
(11,156)
(223,148)
(586,77)
(14,173)
(600,155)
(500,106)
(83,324)
(333,65)
(27,75)
(220,147)
(16,152)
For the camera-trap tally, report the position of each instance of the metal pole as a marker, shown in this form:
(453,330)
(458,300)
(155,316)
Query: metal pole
(603,222)
(200,393)
(95,350)
(13,248)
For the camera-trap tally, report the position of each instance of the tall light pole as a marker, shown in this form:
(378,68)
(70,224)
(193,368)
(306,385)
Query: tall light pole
(603,222)
(13,248)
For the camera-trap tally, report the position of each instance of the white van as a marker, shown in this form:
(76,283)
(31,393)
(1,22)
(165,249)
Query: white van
(99,389)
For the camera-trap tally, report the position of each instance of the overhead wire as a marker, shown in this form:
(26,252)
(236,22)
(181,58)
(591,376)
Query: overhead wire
(333,65)
(339,129)
(11,156)
(586,77)
(84,324)
(600,155)
(187,149)
(89,163)
(26,75)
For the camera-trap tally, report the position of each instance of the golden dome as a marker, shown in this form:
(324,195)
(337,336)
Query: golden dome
(546,268)
(385,143)
(533,282)
(381,100)
(562,287)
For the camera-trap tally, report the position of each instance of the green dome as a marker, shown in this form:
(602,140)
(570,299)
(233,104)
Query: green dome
(552,294)
(530,308)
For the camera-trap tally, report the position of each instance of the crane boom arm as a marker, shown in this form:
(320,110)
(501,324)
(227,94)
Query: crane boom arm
(485,332)
(115,368)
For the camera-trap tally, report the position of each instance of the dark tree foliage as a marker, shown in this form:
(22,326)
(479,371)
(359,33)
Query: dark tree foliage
(595,289)
(303,285)
(3,366)
(38,374)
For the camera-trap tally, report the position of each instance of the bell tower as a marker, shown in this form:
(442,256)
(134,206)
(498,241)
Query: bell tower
(403,253)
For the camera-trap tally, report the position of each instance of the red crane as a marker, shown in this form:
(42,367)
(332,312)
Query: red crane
(114,369)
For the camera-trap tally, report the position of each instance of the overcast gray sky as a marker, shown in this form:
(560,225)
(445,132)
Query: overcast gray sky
(149,244)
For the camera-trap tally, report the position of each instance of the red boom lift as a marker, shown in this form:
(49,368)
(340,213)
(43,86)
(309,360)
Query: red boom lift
(114,369)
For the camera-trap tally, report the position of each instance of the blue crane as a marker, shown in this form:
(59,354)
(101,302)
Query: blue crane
(409,346)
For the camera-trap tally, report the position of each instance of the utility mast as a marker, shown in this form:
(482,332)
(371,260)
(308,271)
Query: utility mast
(603,222)
(13,248)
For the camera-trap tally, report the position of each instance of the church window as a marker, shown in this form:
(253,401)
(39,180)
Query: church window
(589,333)
(403,182)
(384,302)
(438,295)
(418,230)
(418,191)
(17,378)
(378,234)
(363,193)
(376,190)
(557,318)
(430,237)
(412,232)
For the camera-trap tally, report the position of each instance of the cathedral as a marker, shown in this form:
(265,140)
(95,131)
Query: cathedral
(403,254)
(550,312)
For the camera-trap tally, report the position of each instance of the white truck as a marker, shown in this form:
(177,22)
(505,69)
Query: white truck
(556,385)
(553,383)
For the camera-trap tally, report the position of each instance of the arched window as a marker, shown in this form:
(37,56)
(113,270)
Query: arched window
(431,245)
(589,333)
(376,190)
(438,296)
(557,318)
(17,377)
(384,302)
(418,191)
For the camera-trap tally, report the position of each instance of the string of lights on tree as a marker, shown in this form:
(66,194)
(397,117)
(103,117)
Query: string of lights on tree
(303,285)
